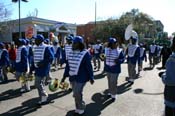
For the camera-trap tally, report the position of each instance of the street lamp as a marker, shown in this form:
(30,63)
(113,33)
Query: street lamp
(19,6)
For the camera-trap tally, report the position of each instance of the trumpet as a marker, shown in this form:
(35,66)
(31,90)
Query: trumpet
(102,57)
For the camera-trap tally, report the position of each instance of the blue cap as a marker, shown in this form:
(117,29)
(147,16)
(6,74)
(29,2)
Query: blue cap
(69,38)
(46,41)
(40,37)
(78,39)
(133,38)
(27,41)
(1,44)
(22,41)
(141,44)
(112,40)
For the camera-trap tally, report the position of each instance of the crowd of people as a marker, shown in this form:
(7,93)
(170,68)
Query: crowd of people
(26,60)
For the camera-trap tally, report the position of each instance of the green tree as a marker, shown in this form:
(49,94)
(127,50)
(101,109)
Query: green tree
(5,25)
(143,25)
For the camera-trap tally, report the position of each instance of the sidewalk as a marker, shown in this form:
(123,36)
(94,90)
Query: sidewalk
(144,98)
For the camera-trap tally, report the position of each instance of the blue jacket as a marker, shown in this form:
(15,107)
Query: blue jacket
(135,58)
(23,64)
(144,57)
(116,68)
(169,78)
(85,72)
(4,60)
(44,69)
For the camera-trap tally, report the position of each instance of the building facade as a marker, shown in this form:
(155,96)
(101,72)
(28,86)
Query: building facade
(31,26)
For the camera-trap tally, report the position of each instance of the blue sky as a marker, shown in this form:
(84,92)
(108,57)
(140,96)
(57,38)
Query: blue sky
(83,11)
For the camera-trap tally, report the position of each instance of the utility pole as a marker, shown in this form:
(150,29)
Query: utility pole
(19,8)
(95,13)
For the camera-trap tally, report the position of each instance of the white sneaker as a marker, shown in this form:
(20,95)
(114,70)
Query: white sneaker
(114,96)
(44,98)
(22,90)
(78,111)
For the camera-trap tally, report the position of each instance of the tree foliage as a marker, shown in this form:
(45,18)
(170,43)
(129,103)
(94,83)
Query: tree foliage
(5,25)
(143,25)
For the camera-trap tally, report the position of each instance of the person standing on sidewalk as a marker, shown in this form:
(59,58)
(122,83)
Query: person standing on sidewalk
(168,79)
(22,65)
(12,57)
(133,52)
(4,63)
(43,57)
(114,58)
(79,70)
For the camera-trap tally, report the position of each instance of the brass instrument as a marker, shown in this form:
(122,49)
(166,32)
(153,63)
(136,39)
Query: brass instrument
(102,57)
(30,77)
(129,32)
(56,84)
(22,78)
(64,86)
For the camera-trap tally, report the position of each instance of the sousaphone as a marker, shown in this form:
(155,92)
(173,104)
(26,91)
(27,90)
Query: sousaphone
(129,32)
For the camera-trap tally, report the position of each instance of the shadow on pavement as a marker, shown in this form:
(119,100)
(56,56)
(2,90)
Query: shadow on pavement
(58,94)
(148,68)
(123,88)
(94,109)
(160,68)
(10,94)
(100,76)
(30,105)
(8,81)
(26,108)
(140,91)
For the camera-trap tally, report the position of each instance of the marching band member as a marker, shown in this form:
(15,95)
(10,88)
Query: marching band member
(48,76)
(168,79)
(4,62)
(133,52)
(68,46)
(30,55)
(114,58)
(57,52)
(22,65)
(152,54)
(79,70)
(43,57)
(97,51)
(142,57)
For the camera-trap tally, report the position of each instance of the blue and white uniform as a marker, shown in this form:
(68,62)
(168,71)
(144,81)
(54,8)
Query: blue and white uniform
(152,55)
(4,63)
(97,51)
(68,48)
(133,57)
(22,65)
(79,70)
(114,58)
(43,57)
(169,81)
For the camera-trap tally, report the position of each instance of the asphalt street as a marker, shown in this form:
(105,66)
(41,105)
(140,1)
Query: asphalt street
(143,98)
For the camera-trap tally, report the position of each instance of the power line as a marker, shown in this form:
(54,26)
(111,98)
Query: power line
(7,5)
